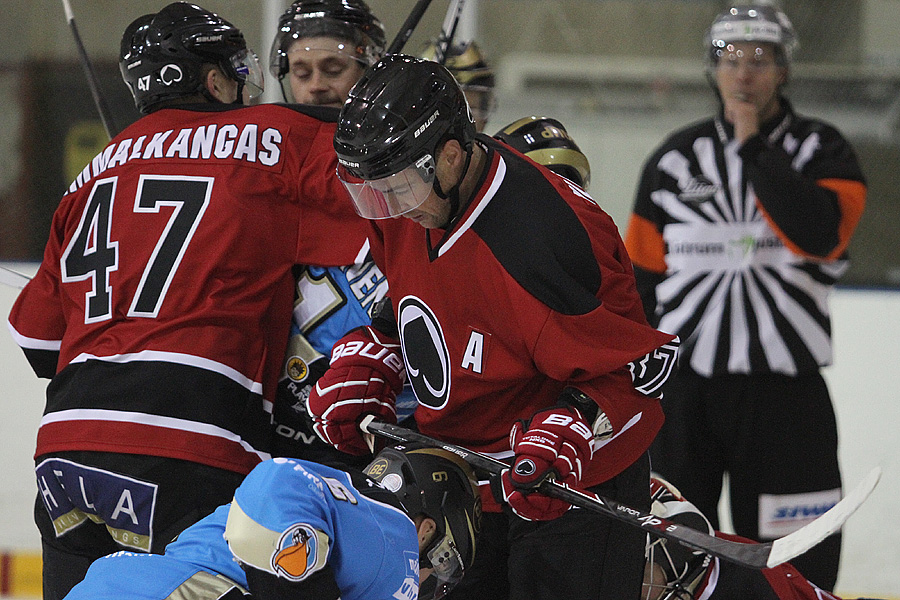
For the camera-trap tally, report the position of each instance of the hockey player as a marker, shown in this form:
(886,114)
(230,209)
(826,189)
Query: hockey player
(160,309)
(297,529)
(676,573)
(739,231)
(322,48)
(517,319)
(475,76)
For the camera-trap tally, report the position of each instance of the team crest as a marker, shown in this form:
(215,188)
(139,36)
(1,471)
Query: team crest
(425,352)
(300,552)
(296,369)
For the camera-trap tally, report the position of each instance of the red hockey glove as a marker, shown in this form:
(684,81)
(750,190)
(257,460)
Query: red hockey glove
(553,444)
(365,376)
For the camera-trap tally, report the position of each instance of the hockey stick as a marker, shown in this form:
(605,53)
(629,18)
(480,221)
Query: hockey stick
(408,26)
(99,102)
(751,555)
(448,30)
(13,278)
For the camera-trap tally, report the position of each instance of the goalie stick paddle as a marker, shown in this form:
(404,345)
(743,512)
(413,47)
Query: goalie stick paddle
(751,555)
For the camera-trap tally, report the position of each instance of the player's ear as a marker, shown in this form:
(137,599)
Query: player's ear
(219,86)
(425,529)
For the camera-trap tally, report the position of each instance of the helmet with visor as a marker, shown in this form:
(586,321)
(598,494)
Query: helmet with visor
(394,123)
(162,55)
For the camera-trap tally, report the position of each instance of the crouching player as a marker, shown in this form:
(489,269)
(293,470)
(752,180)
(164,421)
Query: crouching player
(404,528)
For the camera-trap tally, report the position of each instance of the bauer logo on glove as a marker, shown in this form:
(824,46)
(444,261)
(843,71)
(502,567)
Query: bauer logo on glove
(364,378)
(553,444)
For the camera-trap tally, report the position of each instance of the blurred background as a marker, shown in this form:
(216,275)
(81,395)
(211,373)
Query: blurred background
(620,74)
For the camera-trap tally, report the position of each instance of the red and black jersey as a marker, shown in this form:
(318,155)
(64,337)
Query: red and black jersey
(528,292)
(162,306)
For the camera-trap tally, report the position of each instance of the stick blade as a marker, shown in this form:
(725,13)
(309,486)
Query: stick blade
(13,278)
(798,542)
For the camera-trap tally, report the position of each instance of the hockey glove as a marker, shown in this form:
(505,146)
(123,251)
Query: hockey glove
(554,444)
(365,376)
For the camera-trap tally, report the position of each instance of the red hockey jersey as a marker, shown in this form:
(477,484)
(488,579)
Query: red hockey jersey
(528,292)
(163,303)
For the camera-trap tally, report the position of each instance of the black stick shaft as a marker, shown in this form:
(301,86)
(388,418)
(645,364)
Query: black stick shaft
(99,102)
(408,27)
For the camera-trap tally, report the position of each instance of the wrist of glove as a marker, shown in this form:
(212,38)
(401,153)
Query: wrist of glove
(365,375)
(554,444)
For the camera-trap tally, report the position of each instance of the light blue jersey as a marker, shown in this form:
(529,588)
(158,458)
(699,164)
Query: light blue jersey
(289,518)
(330,302)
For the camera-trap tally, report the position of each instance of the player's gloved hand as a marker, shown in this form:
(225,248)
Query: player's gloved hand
(365,376)
(554,443)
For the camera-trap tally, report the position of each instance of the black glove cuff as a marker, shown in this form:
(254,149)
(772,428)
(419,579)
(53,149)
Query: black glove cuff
(383,319)
(584,403)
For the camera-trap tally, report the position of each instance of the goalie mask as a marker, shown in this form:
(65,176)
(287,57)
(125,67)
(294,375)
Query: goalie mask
(359,34)
(440,485)
(673,571)
(546,142)
(394,122)
(163,55)
(751,23)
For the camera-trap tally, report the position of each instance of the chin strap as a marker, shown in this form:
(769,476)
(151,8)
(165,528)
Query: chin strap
(453,193)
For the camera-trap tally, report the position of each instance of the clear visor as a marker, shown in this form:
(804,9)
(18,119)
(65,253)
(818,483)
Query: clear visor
(246,67)
(390,196)
(448,570)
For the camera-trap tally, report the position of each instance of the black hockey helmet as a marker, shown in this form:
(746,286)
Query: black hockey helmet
(390,128)
(546,142)
(162,55)
(751,23)
(440,485)
(348,20)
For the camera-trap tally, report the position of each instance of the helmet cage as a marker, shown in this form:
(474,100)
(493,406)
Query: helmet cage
(684,569)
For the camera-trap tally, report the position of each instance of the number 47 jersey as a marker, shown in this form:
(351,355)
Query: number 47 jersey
(162,306)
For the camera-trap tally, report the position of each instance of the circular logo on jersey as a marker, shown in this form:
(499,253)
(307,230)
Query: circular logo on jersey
(296,554)
(425,352)
(296,369)
(170,74)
